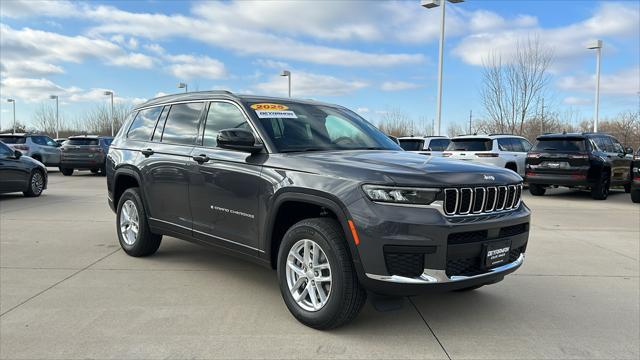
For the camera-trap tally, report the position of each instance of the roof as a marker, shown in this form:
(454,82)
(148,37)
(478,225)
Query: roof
(89,137)
(223,94)
(492,136)
(15,134)
(423,137)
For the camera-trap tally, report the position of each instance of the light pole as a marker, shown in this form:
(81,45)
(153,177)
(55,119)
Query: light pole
(55,97)
(431,4)
(287,73)
(184,86)
(13,102)
(110,93)
(597,45)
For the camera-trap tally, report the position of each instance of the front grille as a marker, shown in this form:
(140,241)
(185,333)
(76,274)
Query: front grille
(473,265)
(481,200)
(467,237)
(404,264)
(514,230)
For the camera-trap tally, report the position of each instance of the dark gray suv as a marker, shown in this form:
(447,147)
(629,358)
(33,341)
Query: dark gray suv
(315,192)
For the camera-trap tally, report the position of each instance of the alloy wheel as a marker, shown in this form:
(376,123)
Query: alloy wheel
(129,222)
(308,275)
(37,183)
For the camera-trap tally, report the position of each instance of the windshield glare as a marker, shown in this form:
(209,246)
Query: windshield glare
(305,127)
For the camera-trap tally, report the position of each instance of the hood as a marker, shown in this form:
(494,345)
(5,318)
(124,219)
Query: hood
(399,168)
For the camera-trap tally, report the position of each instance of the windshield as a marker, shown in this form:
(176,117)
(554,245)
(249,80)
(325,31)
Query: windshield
(564,144)
(304,127)
(13,139)
(470,145)
(82,141)
(411,144)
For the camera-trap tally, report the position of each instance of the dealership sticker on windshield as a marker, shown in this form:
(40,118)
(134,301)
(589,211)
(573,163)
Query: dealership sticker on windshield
(269,106)
(276,114)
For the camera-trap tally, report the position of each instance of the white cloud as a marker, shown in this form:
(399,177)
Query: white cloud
(398,85)
(26,8)
(271,63)
(567,42)
(308,84)
(188,66)
(574,100)
(28,68)
(154,48)
(30,90)
(134,60)
(625,82)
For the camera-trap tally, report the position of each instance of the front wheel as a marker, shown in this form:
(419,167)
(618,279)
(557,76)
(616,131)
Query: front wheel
(635,196)
(317,278)
(36,184)
(66,171)
(600,190)
(136,239)
(537,190)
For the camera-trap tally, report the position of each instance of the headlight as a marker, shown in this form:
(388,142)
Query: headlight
(400,195)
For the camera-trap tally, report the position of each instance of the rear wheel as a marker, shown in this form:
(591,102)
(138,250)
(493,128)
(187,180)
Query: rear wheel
(66,171)
(36,184)
(635,196)
(600,190)
(317,279)
(136,239)
(537,190)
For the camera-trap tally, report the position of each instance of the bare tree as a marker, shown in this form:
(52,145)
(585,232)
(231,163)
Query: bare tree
(397,123)
(513,89)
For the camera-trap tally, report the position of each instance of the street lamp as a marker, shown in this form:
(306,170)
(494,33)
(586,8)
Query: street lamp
(429,4)
(287,73)
(183,86)
(55,97)
(110,93)
(13,102)
(597,45)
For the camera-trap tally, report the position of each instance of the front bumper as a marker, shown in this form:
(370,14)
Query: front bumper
(440,250)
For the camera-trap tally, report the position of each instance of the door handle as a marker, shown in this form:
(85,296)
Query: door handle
(147,152)
(200,159)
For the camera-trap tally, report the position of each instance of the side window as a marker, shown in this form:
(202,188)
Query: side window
(157,133)
(504,144)
(39,140)
(516,145)
(525,145)
(181,126)
(49,141)
(617,147)
(222,115)
(607,145)
(5,151)
(143,125)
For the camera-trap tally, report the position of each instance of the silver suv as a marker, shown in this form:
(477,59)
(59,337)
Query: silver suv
(505,151)
(39,147)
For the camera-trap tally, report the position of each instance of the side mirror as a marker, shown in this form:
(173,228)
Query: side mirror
(239,139)
(17,154)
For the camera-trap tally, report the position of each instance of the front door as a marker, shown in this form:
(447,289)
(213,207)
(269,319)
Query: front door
(13,174)
(225,185)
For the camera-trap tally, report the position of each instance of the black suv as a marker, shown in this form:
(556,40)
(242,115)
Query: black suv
(593,161)
(315,192)
(635,182)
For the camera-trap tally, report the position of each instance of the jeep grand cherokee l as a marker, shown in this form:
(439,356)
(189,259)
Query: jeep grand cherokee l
(593,161)
(84,152)
(315,192)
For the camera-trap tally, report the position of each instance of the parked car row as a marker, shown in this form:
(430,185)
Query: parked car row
(588,161)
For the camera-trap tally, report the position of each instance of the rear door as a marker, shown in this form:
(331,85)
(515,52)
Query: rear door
(49,149)
(559,155)
(225,189)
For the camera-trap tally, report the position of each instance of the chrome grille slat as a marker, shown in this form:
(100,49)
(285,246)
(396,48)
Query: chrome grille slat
(481,200)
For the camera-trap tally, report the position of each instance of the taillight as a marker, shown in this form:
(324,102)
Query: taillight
(530,173)
(447,154)
(578,156)
(534,155)
(487,155)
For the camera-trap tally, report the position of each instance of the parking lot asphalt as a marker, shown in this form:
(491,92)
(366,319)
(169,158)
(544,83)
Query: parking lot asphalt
(67,291)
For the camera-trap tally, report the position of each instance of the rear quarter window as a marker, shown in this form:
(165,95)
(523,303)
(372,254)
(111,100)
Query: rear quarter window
(13,139)
(142,126)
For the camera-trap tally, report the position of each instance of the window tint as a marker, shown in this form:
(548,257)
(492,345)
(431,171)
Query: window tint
(560,144)
(439,144)
(525,144)
(13,139)
(470,145)
(5,150)
(617,147)
(411,144)
(605,144)
(181,126)
(222,115)
(82,141)
(144,123)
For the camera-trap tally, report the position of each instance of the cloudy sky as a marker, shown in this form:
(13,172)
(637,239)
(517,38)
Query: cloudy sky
(370,56)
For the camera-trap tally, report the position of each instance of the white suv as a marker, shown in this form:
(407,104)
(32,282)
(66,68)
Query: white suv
(38,147)
(505,151)
(428,145)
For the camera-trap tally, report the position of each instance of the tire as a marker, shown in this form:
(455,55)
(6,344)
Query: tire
(36,184)
(95,171)
(627,188)
(635,196)
(600,190)
(37,157)
(537,190)
(511,166)
(470,288)
(345,296)
(140,243)
(66,171)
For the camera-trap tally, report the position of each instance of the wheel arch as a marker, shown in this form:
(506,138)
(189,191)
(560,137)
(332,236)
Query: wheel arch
(123,179)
